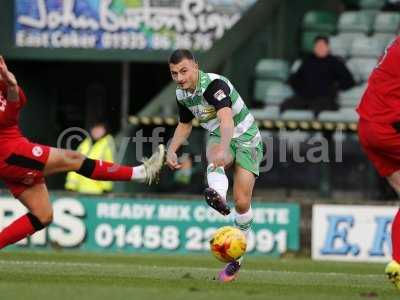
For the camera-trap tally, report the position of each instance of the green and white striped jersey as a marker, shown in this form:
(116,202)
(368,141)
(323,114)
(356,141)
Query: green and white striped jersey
(213,92)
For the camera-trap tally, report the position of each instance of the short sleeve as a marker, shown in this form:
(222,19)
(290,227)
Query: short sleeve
(21,94)
(217,94)
(185,115)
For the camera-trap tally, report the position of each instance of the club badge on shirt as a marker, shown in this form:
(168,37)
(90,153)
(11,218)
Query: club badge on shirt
(37,151)
(219,95)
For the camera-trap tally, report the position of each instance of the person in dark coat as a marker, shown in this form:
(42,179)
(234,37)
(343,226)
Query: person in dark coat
(318,80)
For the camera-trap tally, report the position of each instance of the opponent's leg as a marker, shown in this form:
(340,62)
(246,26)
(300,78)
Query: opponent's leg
(393,268)
(218,184)
(36,200)
(243,185)
(61,160)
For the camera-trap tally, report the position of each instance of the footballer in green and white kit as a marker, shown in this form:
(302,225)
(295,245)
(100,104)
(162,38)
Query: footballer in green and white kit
(234,139)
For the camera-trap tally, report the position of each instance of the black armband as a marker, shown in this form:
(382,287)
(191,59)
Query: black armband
(217,94)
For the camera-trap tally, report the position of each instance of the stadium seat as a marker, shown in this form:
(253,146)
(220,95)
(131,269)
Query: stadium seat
(260,87)
(387,22)
(367,47)
(274,92)
(307,39)
(384,38)
(338,47)
(341,43)
(361,68)
(277,69)
(297,115)
(277,92)
(342,115)
(356,21)
(268,113)
(372,4)
(351,98)
(320,21)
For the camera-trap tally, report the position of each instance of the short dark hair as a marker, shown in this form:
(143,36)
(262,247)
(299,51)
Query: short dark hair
(180,54)
(101,123)
(321,38)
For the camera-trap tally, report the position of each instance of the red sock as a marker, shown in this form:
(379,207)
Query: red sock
(16,231)
(396,237)
(104,170)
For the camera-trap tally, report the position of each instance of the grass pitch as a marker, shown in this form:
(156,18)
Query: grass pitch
(70,276)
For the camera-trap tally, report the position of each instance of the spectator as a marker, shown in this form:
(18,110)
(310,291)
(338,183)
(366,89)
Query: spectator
(317,80)
(100,145)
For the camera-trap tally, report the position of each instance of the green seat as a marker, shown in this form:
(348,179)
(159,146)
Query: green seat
(351,98)
(277,69)
(338,47)
(297,115)
(307,39)
(372,4)
(361,68)
(356,21)
(320,21)
(384,38)
(260,88)
(277,92)
(268,113)
(341,44)
(341,115)
(387,22)
(271,92)
(367,47)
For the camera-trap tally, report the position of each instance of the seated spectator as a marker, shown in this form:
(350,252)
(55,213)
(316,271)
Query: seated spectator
(317,80)
(100,145)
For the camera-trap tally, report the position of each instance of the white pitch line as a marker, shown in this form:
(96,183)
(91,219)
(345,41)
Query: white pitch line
(77,264)
(49,263)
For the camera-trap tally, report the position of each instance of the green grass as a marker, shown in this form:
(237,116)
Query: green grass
(70,276)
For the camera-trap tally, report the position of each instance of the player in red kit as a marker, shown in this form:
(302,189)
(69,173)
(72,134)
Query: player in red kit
(23,165)
(379,134)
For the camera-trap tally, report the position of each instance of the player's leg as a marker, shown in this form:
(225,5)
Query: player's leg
(243,216)
(394,181)
(217,180)
(243,185)
(247,165)
(61,160)
(246,171)
(36,200)
(381,144)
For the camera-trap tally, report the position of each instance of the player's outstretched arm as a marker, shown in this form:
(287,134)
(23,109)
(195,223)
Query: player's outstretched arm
(182,132)
(9,79)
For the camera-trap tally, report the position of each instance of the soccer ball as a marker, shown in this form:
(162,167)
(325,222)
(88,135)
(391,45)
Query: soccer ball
(228,243)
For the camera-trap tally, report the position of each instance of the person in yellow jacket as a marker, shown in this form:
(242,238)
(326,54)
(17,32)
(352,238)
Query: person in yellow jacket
(100,145)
